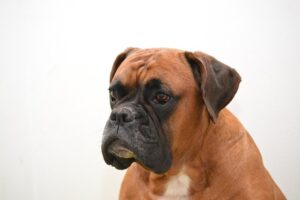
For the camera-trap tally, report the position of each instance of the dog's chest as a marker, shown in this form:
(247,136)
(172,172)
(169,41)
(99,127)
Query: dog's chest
(177,188)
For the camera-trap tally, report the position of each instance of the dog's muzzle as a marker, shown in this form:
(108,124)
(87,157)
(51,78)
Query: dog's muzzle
(131,135)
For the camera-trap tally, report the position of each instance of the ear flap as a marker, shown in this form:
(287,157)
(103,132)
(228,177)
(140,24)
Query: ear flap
(217,81)
(119,59)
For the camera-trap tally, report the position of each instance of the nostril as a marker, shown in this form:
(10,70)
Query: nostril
(127,117)
(113,117)
(122,116)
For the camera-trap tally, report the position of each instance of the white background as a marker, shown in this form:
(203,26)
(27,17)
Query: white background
(55,58)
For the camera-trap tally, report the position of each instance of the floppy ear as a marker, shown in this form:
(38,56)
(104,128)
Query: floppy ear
(217,81)
(119,59)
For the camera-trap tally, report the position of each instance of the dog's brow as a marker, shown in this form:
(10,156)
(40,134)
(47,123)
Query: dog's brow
(153,83)
(117,85)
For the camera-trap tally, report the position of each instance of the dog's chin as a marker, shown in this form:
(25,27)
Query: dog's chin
(121,163)
(120,155)
(124,163)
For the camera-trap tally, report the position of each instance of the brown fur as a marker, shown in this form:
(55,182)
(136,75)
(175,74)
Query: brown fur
(220,158)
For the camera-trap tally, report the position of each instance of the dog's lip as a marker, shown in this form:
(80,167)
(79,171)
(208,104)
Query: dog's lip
(117,154)
(120,150)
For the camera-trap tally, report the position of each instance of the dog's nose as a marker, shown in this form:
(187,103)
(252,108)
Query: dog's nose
(121,115)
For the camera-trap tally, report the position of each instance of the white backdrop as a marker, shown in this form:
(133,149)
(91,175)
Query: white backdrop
(55,58)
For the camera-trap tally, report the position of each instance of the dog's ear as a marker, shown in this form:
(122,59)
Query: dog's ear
(217,81)
(119,59)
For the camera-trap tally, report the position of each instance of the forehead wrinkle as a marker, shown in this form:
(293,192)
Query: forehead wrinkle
(147,71)
(126,72)
(145,62)
(132,70)
(167,65)
(141,66)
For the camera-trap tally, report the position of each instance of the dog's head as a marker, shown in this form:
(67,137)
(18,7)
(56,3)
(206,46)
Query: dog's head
(156,96)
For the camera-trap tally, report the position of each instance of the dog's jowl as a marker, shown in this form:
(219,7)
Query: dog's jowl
(170,129)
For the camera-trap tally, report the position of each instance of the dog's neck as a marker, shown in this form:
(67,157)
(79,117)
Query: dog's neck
(194,134)
(187,162)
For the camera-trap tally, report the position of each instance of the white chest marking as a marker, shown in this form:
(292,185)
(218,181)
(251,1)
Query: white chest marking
(177,187)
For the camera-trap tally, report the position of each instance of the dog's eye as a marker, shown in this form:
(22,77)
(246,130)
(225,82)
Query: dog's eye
(113,96)
(161,98)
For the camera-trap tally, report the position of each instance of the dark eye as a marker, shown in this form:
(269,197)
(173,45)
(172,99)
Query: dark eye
(113,96)
(161,98)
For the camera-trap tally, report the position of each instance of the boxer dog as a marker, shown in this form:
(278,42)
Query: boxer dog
(170,128)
